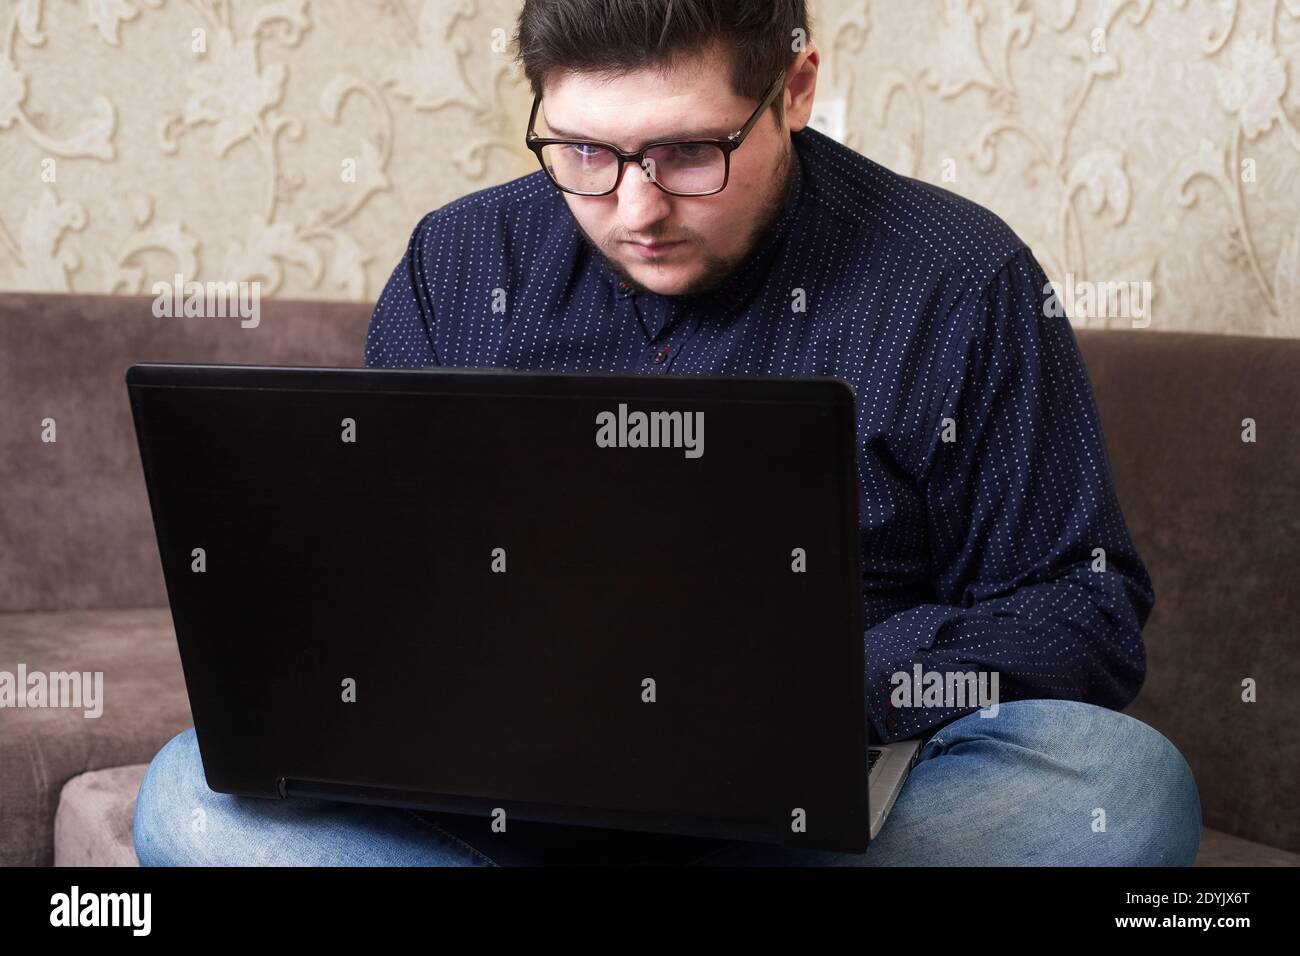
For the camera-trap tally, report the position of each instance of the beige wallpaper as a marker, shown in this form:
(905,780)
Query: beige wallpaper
(297,142)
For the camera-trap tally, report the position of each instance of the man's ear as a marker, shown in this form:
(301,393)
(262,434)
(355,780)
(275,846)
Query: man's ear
(801,88)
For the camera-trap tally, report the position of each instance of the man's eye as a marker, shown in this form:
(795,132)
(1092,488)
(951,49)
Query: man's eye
(691,150)
(584,151)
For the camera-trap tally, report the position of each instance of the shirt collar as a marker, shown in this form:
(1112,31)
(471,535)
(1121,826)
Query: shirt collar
(748,277)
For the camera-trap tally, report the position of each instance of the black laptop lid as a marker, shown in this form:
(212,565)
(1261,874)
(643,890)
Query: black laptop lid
(436,589)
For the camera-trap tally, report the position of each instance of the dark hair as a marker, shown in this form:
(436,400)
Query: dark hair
(618,36)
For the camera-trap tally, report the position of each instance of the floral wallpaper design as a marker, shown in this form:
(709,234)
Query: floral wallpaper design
(297,142)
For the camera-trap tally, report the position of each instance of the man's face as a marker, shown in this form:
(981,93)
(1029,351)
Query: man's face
(672,245)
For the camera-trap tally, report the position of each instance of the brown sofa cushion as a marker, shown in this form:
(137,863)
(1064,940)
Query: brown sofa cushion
(1217,522)
(75,524)
(144,706)
(93,823)
(76,532)
(1224,849)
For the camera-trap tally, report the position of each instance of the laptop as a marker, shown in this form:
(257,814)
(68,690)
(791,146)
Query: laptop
(515,595)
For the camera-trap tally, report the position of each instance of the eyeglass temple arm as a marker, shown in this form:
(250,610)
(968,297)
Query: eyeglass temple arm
(532,118)
(777,87)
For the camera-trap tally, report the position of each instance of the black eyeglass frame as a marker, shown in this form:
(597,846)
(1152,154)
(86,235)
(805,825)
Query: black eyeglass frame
(728,145)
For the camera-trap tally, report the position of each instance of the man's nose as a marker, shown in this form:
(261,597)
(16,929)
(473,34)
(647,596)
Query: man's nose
(641,204)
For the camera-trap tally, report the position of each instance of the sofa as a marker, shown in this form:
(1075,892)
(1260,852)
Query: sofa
(1216,518)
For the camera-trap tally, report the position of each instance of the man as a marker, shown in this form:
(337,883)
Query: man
(655,240)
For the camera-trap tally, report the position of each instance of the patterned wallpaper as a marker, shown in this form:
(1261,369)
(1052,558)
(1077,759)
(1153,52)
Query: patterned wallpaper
(1132,143)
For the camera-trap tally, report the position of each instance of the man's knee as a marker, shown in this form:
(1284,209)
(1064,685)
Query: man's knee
(170,802)
(1160,785)
(180,820)
(1146,809)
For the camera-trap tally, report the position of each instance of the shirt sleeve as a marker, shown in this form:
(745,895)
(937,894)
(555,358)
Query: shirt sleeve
(401,326)
(1035,576)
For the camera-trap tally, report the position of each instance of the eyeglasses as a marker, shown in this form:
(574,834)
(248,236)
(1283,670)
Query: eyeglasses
(679,167)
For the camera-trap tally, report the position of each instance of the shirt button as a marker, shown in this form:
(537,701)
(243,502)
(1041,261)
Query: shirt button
(623,287)
(661,354)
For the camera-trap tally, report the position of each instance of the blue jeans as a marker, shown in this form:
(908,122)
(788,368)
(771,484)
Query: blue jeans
(1045,782)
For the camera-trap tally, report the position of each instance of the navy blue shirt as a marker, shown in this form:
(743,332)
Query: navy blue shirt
(991,536)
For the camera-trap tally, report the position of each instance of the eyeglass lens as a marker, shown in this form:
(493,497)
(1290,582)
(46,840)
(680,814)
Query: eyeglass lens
(678,167)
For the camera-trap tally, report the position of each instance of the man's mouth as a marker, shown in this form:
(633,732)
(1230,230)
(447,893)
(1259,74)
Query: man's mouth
(654,250)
